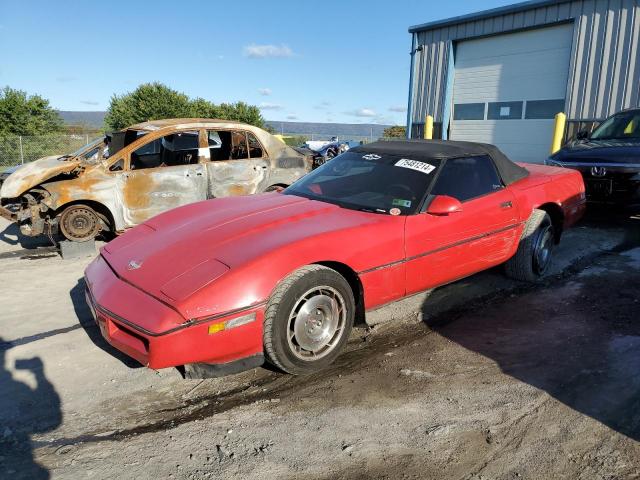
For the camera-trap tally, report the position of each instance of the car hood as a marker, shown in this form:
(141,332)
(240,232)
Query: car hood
(10,170)
(179,252)
(601,151)
(34,173)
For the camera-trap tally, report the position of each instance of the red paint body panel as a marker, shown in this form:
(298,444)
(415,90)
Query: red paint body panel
(224,257)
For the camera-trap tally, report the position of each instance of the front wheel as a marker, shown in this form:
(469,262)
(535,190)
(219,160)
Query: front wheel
(533,257)
(80,223)
(308,320)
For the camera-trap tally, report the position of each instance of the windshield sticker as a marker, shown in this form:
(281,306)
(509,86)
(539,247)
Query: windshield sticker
(415,165)
(395,211)
(371,156)
(400,202)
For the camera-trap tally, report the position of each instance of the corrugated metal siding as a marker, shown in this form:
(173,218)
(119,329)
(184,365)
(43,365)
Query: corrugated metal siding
(604,75)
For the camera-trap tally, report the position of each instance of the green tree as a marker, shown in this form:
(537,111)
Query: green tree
(241,112)
(201,108)
(154,101)
(150,101)
(397,131)
(22,114)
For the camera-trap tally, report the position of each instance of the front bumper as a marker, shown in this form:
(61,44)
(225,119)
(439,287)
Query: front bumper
(607,182)
(155,335)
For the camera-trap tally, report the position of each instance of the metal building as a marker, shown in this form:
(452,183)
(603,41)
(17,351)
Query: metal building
(501,75)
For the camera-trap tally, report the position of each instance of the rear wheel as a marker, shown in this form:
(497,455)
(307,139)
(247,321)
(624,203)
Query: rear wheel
(80,223)
(533,257)
(308,320)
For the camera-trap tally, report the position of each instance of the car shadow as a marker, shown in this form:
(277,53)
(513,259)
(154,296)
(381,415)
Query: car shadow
(85,318)
(578,341)
(11,235)
(25,411)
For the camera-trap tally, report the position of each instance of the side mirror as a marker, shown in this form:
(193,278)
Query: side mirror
(583,135)
(444,205)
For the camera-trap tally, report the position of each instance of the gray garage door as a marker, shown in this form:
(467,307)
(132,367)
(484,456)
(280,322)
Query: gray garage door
(508,88)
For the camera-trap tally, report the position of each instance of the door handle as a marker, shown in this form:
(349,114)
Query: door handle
(506,204)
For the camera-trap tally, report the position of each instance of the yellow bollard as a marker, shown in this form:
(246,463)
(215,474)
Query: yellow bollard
(558,132)
(428,128)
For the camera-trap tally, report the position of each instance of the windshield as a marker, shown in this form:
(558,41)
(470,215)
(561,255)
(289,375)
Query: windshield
(386,184)
(89,152)
(625,125)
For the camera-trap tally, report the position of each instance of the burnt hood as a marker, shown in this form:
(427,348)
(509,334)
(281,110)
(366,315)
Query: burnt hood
(34,173)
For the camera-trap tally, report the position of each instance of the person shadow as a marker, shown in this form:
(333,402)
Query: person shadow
(25,411)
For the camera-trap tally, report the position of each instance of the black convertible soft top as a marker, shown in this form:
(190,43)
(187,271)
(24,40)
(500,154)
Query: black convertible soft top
(443,149)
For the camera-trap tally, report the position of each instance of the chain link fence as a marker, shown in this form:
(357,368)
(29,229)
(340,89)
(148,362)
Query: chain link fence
(16,150)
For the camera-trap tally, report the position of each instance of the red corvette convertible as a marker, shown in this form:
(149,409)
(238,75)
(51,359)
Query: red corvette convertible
(226,283)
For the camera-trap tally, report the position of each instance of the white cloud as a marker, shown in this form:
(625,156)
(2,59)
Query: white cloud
(267,51)
(264,91)
(362,112)
(322,105)
(270,106)
(398,108)
(291,116)
(89,102)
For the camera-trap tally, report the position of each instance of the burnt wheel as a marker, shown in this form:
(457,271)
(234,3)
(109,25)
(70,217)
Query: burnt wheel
(533,257)
(80,223)
(308,320)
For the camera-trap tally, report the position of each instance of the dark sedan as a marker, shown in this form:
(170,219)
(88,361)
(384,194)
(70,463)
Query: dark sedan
(608,158)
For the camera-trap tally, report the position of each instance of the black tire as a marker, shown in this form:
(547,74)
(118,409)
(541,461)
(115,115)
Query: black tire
(530,262)
(80,223)
(284,350)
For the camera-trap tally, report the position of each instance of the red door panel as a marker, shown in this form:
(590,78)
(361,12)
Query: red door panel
(440,249)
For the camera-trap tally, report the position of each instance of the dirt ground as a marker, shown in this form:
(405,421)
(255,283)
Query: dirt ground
(481,379)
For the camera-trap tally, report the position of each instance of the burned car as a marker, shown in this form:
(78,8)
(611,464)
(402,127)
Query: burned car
(608,158)
(129,176)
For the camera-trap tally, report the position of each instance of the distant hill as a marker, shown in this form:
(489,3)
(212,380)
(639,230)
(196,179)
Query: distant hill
(96,120)
(329,129)
(89,119)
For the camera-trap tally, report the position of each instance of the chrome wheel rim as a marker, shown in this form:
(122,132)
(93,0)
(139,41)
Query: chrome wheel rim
(543,249)
(316,323)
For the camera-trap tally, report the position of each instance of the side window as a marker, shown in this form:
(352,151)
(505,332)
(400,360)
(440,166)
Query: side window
(255,149)
(231,145)
(169,151)
(219,144)
(467,178)
(239,149)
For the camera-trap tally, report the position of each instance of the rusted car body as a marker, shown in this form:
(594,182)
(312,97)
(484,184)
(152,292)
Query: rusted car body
(129,176)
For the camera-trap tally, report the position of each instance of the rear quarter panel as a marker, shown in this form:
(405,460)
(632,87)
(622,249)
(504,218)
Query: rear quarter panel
(544,185)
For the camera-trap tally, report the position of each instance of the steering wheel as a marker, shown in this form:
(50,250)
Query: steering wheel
(397,190)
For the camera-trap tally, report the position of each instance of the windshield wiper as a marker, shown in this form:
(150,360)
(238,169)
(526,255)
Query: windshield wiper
(370,210)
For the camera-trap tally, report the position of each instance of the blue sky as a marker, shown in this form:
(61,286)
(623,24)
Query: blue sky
(319,61)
